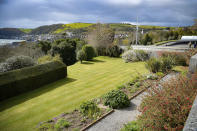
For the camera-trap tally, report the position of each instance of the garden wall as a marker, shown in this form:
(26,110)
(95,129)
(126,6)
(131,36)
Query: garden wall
(15,82)
(193,64)
(191,123)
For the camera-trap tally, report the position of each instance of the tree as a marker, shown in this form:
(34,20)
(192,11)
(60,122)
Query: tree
(89,52)
(66,50)
(101,36)
(45,46)
(81,56)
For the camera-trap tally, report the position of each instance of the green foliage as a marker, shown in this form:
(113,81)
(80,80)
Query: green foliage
(66,50)
(89,52)
(45,46)
(81,56)
(89,109)
(167,108)
(61,124)
(147,40)
(116,99)
(160,74)
(49,58)
(45,127)
(141,55)
(166,64)
(113,51)
(15,82)
(131,126)
(153,65)
(16,62)
(134,56)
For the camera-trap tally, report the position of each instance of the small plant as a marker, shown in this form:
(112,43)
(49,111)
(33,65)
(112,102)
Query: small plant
(137,84)
(116,99)
(152,77)
(89,109)
(114,51)
(61,124)
(160,74)
(81,56)
(131,126)
(45,127)
(153,65)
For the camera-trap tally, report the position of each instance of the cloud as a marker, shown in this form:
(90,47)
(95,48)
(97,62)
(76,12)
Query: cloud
(33,13)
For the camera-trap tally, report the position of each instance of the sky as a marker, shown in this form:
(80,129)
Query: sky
(34,13)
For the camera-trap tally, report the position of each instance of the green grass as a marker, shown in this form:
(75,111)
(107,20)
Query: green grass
(163,42)
(85,81)
(25,30)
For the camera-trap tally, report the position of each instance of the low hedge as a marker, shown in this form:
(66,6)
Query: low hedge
(18,81)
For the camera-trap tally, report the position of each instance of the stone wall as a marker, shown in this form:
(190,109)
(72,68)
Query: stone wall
(191,123)
(193,64)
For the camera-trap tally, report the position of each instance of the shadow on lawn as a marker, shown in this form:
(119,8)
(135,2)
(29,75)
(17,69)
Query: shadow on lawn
(92,61)
(6,104)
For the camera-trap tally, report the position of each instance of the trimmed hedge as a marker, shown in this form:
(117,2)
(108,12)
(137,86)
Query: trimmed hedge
(18,81)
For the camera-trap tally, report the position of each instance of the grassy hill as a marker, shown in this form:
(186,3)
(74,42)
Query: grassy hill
(85,81)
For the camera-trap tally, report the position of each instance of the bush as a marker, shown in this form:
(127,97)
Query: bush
(15,82)
(134,56)
(45,46)
(89,51)
(4,67)
(81,56)
(66,50)
(116,99)
(142,55)
(153,65)
(113,51)
(61,124)
(49,58)
(167,108)
(89,109)
(131,126)
(166,64)
(129,56)
(17,62)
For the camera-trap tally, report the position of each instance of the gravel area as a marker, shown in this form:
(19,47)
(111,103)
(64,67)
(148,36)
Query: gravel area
(116,120)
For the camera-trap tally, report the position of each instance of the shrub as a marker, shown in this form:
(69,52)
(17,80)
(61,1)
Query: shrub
(45,46)
(141,55)
(134,56)
(61,124)
(18,62)
(113,51)
(167,108)
(129,56)
(89,51)
(166,64)
(49,58)
(4,67)
(153,65)
(131,126)
(116,99)
(81,56)
(15,82)
(89,109)
(66,50)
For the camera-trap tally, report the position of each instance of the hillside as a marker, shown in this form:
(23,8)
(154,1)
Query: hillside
(72,27)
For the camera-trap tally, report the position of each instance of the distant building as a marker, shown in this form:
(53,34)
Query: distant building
(189,38)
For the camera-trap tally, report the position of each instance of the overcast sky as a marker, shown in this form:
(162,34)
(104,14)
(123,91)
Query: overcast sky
(34,13)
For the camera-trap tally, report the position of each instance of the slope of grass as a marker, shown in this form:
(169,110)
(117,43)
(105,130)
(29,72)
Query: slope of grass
(73,26)
(25,30)
(85,81)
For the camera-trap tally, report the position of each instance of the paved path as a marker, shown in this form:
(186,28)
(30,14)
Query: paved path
(116,120)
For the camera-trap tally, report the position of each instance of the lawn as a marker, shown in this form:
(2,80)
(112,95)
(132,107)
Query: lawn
(84,82)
